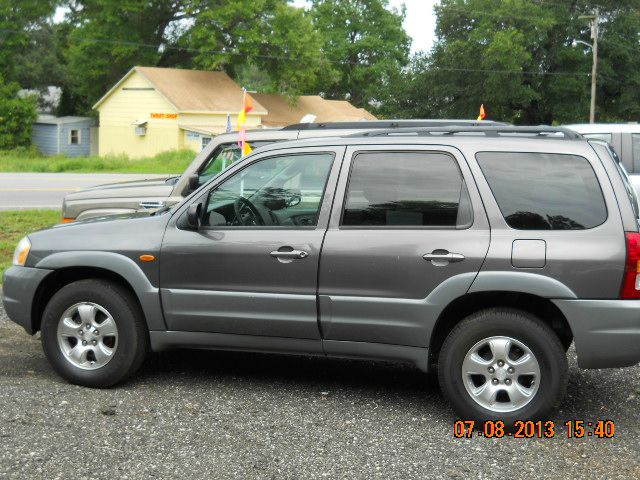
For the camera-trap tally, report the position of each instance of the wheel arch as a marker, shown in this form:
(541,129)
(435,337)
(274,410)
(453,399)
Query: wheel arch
(463,306)
(69,267)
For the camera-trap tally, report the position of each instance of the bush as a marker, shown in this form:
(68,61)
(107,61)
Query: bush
(16,116)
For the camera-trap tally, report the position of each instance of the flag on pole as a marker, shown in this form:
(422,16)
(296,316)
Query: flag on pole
(247,106)
(483,114)
(228,123)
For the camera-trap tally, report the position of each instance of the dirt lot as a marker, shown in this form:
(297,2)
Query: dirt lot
(230,415)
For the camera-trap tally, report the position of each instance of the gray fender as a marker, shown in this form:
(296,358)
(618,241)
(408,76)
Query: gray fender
(148,295)
(523,282)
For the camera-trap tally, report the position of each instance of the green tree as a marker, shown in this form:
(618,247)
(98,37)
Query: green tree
(17,20)
(40,63)
(106,38)
(270,36)
(16,116)
(366,45)
(516,57)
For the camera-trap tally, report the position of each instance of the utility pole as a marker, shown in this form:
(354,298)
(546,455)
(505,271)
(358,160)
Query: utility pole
(595,27)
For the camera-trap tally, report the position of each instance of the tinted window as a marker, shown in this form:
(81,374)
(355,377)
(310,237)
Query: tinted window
(406,189)
(284,191)
(539,191)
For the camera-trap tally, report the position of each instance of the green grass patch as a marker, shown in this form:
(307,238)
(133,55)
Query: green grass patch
(15,224)
(29,160)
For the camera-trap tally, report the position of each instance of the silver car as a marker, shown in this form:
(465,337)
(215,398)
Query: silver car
(481,253)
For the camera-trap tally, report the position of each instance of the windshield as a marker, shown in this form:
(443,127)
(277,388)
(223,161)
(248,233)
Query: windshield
(222,157)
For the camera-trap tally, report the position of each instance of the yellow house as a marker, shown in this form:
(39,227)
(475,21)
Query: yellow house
(151,110)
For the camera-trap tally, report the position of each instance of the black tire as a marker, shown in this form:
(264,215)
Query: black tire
(521,326)
(133,338)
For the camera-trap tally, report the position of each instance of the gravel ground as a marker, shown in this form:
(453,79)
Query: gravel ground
(230,415)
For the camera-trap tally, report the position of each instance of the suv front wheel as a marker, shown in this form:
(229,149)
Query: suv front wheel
(93,333)
(502,364)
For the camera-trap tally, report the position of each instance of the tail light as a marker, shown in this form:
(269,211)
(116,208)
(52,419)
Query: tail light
(631,282)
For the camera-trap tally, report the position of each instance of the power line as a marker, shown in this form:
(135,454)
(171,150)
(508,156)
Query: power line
(290,59)
(511,72)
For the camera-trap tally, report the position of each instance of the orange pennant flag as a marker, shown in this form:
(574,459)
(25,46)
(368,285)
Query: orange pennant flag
(248,103)
(483,114)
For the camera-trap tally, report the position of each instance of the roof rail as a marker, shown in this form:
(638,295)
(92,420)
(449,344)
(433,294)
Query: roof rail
(386,124)
(541,131)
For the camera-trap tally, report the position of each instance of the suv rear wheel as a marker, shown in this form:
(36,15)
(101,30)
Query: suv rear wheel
(93,333)
(502,364)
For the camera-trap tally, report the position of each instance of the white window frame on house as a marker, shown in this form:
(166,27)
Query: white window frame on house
(204,141)
(79,136)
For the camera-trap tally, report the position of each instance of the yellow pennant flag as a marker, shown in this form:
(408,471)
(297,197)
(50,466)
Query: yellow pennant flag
(246,149)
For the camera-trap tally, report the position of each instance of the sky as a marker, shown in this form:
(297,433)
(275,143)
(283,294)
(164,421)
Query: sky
(420,22)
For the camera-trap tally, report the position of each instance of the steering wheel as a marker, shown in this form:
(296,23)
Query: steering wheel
(247,213)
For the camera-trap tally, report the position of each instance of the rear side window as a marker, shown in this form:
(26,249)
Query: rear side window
(406,189)
(542,191)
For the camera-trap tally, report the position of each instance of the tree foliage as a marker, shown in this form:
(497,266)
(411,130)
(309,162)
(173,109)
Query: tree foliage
(516,57)
(107,38)
(16,116)
(366,44)
(270,35)
(18,18)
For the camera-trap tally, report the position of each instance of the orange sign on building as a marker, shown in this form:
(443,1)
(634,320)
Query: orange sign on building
(164,115)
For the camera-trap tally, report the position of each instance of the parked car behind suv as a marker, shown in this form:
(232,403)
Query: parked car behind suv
(221,152)
(482,253)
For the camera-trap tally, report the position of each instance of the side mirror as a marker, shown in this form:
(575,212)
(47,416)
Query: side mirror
(194,215)
(194,182)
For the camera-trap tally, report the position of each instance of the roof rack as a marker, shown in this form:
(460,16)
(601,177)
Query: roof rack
(387,124)
(541,131)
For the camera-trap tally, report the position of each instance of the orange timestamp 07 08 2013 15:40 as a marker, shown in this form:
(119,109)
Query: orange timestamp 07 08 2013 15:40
(534,429)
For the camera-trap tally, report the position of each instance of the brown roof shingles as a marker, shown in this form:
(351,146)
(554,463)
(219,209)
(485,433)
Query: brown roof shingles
(282,112)
(198,91)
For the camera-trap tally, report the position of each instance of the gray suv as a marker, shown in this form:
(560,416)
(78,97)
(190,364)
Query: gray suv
(222,151)
(481,253)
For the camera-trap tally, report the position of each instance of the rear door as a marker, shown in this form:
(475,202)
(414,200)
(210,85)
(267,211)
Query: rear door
(407,221)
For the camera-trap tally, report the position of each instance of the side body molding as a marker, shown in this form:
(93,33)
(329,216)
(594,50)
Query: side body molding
(148,295)
(523,282)
(393,321)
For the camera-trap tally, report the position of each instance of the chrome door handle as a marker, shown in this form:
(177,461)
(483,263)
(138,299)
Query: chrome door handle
(448,257)
(151,204)
(290,254)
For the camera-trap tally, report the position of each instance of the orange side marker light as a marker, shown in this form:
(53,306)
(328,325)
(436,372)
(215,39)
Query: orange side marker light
(147,258)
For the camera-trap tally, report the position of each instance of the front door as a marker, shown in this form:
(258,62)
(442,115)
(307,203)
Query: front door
(252,267)
(410,222)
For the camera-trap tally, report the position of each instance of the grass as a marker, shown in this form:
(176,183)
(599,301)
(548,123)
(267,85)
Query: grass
(29,160)
(15,224)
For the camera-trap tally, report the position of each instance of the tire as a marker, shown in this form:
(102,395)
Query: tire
(500,330)
(76,314)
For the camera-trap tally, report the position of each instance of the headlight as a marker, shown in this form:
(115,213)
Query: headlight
(21,252)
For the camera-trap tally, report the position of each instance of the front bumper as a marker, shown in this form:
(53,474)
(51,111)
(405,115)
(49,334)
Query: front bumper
(606,332)
(19,288)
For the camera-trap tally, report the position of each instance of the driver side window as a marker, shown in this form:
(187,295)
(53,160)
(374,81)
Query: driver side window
(284,191)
